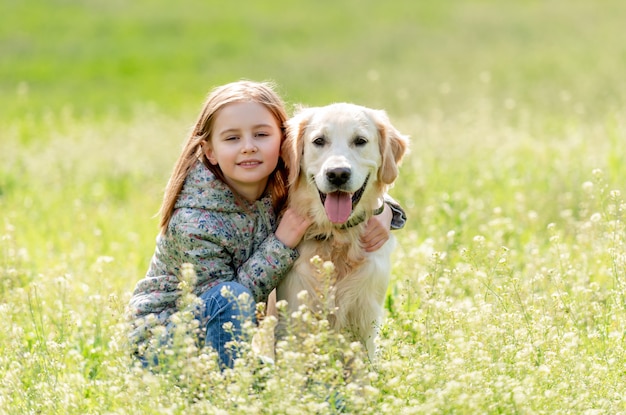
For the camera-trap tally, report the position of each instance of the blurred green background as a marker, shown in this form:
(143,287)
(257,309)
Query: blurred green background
(500,98)
(410,57)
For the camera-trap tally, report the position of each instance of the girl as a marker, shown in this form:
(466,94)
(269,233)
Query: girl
(219,214)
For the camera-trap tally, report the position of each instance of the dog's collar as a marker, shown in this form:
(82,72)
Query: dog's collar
(354,221)
(359,219)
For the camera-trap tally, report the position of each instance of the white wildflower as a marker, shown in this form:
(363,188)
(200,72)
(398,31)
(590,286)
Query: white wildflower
(303,296)
(104,259)
(588,187)
(479,239)
(281,305)
(244,298)
(226,292)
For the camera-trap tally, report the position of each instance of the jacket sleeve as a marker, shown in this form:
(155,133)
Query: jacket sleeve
(266,267)
(399,216)
(212,259)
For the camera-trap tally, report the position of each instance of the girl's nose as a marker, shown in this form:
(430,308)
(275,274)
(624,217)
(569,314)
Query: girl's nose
(249,146)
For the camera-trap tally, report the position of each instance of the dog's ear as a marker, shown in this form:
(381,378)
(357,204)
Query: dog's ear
(293,146)
(393,146)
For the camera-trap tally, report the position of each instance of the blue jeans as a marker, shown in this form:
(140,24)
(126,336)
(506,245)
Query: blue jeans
(219,310)
(214,311)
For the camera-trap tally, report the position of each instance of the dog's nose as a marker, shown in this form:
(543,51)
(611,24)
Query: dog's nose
(338,176)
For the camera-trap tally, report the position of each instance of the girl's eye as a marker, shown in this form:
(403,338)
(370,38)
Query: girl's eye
(262,134)
(231,138)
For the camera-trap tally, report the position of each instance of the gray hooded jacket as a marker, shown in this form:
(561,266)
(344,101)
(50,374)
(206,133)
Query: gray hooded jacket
(224,237)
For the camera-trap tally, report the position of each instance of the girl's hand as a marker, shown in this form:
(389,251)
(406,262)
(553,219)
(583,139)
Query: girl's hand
(292,227)
(377,230)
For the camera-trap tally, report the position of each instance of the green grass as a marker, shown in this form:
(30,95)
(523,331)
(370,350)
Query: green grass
(508,292)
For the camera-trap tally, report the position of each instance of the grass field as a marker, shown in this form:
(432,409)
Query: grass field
(509,282)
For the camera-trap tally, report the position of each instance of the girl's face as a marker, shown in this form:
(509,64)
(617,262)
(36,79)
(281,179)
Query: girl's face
(245,143)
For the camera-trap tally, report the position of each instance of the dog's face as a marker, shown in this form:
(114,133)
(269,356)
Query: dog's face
(346,152)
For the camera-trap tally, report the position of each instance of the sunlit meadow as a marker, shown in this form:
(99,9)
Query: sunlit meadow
(508,292)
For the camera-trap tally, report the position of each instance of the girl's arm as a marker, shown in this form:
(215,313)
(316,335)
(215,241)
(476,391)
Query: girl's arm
(260,273)
(378,227)
(271,262)
(398,218)
(292,227)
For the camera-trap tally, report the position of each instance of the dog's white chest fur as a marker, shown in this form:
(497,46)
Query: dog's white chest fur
(357,293)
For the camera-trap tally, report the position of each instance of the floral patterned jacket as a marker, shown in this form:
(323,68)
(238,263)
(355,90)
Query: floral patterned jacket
(225,238)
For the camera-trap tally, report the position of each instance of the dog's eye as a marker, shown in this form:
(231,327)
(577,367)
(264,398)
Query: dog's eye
(319,141)
(360,141)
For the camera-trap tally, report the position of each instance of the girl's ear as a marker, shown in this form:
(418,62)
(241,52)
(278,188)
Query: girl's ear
(293,146)
(208,152)
(393,146)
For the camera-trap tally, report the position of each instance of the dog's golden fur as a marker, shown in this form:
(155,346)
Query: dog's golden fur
(362,143)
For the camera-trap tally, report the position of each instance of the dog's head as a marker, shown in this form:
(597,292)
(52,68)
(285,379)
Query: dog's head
(346,152)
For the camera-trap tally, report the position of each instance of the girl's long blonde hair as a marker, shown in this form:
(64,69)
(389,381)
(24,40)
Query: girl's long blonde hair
(241,91)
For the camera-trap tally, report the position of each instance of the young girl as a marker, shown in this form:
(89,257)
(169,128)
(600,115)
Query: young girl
(219,213)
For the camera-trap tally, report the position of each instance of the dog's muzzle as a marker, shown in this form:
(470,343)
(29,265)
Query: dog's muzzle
(339,205)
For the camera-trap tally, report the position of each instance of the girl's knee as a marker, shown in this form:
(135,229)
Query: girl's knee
(244,298)
(236,290)
(229,295)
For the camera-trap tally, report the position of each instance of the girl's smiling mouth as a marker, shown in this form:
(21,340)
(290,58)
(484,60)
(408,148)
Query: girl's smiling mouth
(249,163)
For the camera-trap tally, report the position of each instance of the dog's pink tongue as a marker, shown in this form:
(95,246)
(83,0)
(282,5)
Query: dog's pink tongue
(338,206)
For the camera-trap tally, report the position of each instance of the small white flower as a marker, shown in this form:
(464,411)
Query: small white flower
(244,298)
(233,389)
(316,260)
(370,390)
(226,292)
(104,259)
(269,321)
(303,295)
(355,346)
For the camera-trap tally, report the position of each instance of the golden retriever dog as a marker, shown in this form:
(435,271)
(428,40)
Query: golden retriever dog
(343,158)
